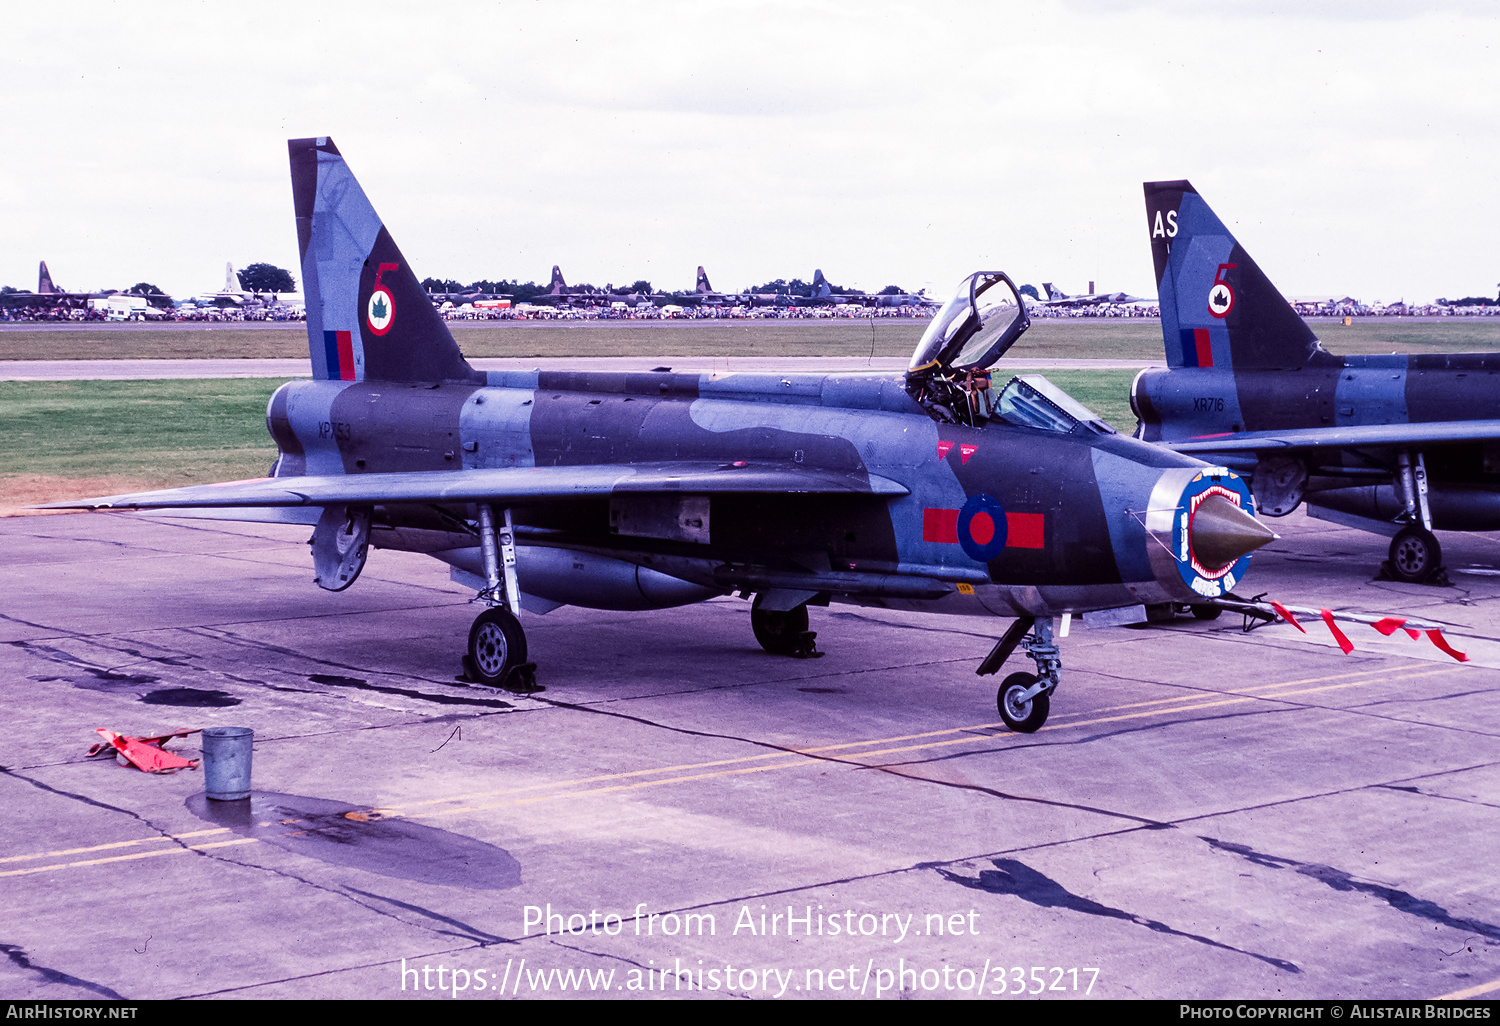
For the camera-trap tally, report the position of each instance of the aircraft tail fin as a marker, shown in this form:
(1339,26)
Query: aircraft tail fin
(821,288)
(231,282)
(44,286)
(1218,309)
(703,285)
(368,317)
(1053,292)
(557,282)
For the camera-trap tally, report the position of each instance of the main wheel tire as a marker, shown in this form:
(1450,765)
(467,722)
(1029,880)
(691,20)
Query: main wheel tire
(1415,554)
(778,632)
(1022,717)
(497,645)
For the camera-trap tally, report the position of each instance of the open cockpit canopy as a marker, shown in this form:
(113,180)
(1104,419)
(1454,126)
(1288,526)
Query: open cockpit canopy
(974,328)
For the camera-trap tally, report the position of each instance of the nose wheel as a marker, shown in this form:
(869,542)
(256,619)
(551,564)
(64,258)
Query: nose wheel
(1022,706)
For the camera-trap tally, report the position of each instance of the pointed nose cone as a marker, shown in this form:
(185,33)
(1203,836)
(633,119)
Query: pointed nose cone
(1221,532)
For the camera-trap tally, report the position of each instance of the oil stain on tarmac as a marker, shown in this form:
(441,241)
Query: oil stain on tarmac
(318,828)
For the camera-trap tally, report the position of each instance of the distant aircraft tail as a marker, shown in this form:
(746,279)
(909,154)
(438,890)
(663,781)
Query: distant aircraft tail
(231,282)
(703,285)
(821,288)
(557,282)
(44,286)
(367,315)
(1217,308)
(1053,292)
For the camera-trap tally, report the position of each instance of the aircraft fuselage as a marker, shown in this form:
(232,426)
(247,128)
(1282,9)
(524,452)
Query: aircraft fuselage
(1350,395)
(1073,535)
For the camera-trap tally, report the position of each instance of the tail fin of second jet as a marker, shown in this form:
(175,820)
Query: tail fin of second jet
(1217,307)
(703,285)
(368,318)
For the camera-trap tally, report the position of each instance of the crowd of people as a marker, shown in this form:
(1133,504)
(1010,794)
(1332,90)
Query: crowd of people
(73,313)
(1348,307)
(281,311)
(1097,310)
(467,312)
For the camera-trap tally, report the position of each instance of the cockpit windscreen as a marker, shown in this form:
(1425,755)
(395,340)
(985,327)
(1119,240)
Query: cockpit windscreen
(1032,401)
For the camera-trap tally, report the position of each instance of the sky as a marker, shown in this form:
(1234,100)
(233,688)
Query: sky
(1353,148)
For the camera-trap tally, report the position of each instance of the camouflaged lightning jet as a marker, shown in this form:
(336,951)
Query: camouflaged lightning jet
(1398,445)
(934,492)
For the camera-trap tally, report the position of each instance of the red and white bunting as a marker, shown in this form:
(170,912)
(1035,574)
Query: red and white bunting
(1387,626)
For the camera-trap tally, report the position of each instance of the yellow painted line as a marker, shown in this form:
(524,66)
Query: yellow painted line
(397,810)
(115,844)
(616,787)
(1459,995)
(806,760)
(1253,698)
(1200,695)
(410,809)
(797,758)
(405,809)
(129,858)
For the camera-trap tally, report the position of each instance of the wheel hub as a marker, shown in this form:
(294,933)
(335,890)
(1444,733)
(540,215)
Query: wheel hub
(1019,710)
(1411,556)
(490,649)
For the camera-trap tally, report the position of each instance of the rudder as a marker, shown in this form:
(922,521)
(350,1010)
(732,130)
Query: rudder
(368,317)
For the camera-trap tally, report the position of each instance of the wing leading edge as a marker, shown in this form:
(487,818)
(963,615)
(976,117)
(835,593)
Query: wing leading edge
(499,485)
(1354,437)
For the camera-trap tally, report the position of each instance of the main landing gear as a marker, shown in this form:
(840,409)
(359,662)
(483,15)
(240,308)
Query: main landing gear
(497,645)
(1024,699)
(1415,554)
(783,632)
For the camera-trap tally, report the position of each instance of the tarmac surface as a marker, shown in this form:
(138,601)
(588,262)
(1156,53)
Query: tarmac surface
(150,370)
(1207,813)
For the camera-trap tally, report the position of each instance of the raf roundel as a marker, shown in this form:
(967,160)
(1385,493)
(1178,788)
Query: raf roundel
(381,310)
(982,528)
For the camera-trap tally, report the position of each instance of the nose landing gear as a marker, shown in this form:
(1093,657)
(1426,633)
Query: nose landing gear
(1024,699)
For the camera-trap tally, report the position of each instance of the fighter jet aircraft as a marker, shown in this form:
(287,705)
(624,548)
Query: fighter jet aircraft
(1398,445)
(652,490)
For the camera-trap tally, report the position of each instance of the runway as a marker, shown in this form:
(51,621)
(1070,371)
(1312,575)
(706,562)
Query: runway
(1206,814)
(148,370)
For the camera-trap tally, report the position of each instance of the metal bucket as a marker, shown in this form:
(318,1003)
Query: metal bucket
(226,762)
